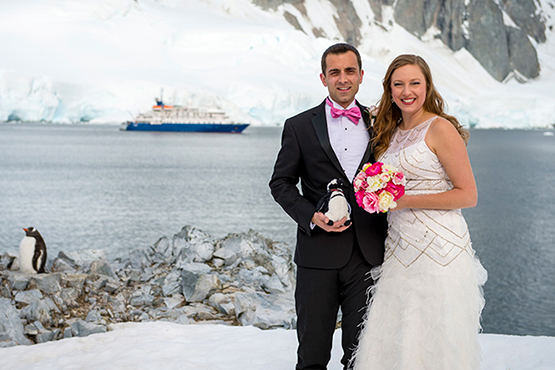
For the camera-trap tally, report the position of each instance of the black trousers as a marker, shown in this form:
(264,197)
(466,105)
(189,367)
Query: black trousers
(318,296)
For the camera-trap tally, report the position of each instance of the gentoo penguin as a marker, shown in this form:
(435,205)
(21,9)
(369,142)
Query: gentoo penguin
(32,252)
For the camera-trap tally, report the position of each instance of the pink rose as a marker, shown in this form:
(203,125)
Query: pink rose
(359,195)
(374,169)
(360,176)
(371,202)
(396,190)
(398,178)
(360,181)
(385,177)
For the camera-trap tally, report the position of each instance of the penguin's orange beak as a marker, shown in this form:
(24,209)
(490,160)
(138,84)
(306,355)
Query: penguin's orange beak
(25,229)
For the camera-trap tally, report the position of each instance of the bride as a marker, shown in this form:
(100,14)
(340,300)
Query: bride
(426,304)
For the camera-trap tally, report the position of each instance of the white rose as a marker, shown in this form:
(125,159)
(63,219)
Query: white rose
(386,201)
(374,183)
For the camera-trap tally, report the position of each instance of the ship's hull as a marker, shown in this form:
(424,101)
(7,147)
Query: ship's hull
(187,127)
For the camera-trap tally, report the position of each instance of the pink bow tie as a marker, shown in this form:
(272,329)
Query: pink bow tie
(353,113)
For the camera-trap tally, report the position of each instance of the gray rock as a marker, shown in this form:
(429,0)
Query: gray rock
(15,264)
(6,261)
(146,275)
(69,296)
(347,22)
(256,277)
(53,304)
(172,284)
(197,286)
(48,302)
(47,283)
(82,328)
(527,16)
(63,263)
(273,285)
(106,284)
(85,257)
(285,270)
(488,38)
(226,255)
(47,336)
(293,21)
(31,330)
(139,299)
(138,259)
(192,245)
(245,308)
(239,245)
(142,297)
(11,327)
(478,26)
(5,290)
(217,262)
(40,333)
(38,310)
(28,296)
(161,252)
(174,301)
(223,303)
(263,311)
(522,54)
(416,22)
(102,267)
(68,333)
(199,268)
(71,280)
(18,281)
(94,316)
(203,312)
(111,286)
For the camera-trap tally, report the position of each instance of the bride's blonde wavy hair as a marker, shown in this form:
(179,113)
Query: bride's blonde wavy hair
(389,114)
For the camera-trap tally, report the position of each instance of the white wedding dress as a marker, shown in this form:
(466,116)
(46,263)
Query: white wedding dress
(426,304)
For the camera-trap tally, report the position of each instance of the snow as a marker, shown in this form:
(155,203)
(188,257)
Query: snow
(103,61)
(69,61)
(162,345)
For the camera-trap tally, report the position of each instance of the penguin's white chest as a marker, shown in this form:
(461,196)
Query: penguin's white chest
(26,252)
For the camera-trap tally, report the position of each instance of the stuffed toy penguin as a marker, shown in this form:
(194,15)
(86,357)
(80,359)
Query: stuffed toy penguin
(334,204)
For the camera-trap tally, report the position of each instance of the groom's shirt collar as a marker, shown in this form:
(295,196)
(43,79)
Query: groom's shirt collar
(348,141)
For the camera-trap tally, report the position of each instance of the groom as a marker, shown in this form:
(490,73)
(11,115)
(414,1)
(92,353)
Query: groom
(327,142)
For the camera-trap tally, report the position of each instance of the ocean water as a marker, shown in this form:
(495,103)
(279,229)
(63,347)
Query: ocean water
(94,186)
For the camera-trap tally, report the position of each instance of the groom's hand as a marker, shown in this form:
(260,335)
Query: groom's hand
(319,219)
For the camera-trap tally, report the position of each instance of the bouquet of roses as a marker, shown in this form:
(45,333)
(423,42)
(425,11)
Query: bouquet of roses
(378,186)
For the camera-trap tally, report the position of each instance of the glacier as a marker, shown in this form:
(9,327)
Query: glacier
(69,61)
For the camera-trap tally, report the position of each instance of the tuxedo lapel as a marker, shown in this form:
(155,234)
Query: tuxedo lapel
(321,128)
(368,155)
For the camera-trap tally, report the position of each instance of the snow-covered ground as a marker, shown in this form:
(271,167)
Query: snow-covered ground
(167,346)
(105,60)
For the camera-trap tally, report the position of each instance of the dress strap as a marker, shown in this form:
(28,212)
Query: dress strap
(419,132)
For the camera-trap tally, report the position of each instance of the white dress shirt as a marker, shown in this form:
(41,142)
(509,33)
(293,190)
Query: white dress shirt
(349,141)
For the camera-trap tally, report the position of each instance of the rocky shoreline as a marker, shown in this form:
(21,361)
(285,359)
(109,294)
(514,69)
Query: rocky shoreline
(240,279)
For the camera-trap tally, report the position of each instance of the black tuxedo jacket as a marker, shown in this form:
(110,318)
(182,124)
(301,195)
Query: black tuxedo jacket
(306,154)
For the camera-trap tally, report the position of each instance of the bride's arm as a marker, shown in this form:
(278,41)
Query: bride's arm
(444,140)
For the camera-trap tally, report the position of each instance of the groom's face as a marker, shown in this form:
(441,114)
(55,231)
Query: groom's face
(342,77)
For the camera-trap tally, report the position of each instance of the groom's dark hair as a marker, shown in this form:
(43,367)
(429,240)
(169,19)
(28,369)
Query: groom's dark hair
(340,48)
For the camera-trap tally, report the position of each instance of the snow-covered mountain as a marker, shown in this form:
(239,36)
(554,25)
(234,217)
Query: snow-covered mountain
(104,61)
